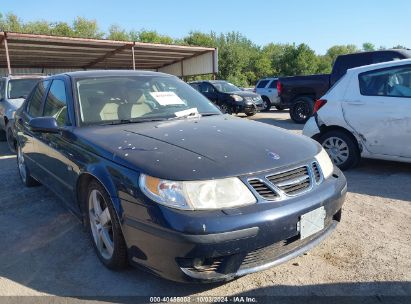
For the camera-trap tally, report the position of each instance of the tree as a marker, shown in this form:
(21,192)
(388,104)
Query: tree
(11,23)
(152,37)
(337,50)
(85,28)
(298,60)
(115,32)
(368,46)
(62,29)
(201,39)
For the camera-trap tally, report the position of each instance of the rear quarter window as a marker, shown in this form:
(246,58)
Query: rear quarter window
(273,84)
(262,84)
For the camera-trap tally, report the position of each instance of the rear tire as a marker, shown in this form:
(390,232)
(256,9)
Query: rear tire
(279,108)
(342,148)
(302,109)
(266,104)
(24,172)
(104,228)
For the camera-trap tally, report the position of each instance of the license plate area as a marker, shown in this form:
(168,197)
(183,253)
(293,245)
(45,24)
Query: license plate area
(311,222)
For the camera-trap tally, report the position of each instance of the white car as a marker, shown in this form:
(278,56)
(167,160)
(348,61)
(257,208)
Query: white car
(267,88)
(367,113)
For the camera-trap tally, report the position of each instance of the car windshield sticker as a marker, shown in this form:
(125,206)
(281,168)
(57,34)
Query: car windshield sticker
(189,112)
(166,98)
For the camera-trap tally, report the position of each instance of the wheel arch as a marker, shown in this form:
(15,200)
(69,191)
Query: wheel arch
(325,128)
(101,176)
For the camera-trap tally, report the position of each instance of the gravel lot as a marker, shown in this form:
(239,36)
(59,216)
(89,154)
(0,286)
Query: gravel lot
(44,251)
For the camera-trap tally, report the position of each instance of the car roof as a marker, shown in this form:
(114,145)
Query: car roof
(268,78)
(26,76)
(102,73)
(381,65)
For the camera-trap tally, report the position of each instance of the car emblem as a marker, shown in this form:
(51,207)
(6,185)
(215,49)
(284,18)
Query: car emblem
(273,155)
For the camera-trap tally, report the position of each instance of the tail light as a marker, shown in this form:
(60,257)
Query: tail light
(319,104)
(279,88)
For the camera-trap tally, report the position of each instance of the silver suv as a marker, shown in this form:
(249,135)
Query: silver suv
(267,88)
(13,90)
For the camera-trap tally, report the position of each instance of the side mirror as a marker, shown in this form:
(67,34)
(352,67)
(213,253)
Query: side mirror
(44,125)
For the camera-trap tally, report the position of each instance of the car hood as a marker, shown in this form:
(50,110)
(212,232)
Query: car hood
(198,149)
(244,94)
(15,103)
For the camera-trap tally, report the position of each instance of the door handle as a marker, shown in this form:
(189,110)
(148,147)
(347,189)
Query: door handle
(356,102)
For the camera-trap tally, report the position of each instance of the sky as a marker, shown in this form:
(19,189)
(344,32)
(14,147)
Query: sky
(318,23)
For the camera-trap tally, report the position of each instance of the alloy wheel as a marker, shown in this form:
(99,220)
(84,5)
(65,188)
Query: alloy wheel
(337,149)
(302,111)
(101,225)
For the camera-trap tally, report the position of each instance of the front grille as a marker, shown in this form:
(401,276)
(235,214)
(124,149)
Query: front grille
(316,172)
(262,189)
(293,181)
(277,250)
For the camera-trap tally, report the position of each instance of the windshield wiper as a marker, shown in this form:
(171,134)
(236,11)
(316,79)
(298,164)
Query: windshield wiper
(130,121)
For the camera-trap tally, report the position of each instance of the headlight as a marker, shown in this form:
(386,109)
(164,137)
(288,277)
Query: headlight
(197,195)
(327,166)
(236,97)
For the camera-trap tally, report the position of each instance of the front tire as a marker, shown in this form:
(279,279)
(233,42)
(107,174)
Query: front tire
(24,172)
(225,108)
(104,228)
(301,110)
(342,148)
(266,104)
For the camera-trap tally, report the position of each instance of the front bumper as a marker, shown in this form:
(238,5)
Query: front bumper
(311,128)
(210,246)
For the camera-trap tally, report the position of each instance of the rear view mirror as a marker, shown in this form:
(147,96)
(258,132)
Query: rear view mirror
(44,125)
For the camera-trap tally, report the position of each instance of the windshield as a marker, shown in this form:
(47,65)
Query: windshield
(20,88)
(226,87)
(137,98)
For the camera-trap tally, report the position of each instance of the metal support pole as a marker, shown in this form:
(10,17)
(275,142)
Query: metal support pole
(7,53)
(134,60)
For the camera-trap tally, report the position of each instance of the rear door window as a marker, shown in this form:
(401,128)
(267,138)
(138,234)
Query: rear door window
(389,82)
(34,107)
(262,84)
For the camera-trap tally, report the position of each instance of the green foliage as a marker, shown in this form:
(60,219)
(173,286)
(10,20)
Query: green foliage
(117,33)
(85,28)
(240,60)
(368,46)
(152,37)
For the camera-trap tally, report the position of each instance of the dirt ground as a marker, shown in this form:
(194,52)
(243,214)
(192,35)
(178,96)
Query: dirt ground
(44,251)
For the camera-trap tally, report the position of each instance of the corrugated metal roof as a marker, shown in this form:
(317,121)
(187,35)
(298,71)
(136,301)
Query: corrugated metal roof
(52,52)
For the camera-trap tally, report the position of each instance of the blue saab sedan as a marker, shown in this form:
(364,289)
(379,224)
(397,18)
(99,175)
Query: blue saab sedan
(163,180)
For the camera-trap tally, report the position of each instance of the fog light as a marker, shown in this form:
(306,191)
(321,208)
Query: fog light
(198,263)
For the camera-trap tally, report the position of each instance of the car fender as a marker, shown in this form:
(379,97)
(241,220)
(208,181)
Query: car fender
(102,175)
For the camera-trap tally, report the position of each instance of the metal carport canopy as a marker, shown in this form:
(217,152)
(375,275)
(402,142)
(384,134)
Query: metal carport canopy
(27,51)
